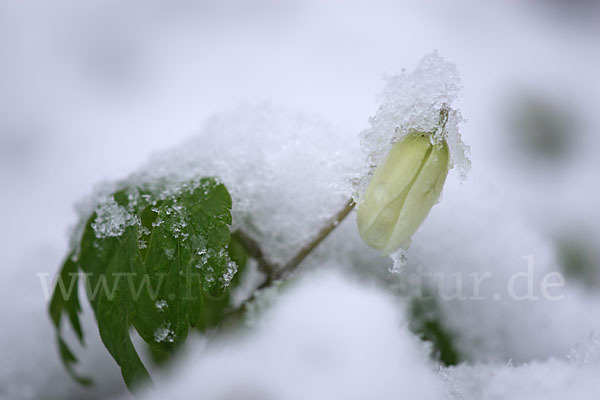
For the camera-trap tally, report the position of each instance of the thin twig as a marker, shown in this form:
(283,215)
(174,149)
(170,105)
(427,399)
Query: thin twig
(291,265)
(255,252)
(276,274)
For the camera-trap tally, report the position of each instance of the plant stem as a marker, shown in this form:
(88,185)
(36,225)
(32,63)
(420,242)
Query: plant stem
(275,274)
(290,267)
(255,252)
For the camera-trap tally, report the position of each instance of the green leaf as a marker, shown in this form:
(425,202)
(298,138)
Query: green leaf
(239,255)
(213,308)
(155,258)
(427,324)
(65,299)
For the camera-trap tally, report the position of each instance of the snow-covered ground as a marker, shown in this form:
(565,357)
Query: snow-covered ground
(90,91)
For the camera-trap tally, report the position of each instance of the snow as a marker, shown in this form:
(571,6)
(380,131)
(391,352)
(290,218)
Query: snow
(356,345)
(587,352)
(111,219)
(499,244)
(266,156)
(310,344)
(399,259)
(230,272)
(75,115)
(553,379)
(271,204)
(413,102)
(268,183)
(164,334)
(161,304)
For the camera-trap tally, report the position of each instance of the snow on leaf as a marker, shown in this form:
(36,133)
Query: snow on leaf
(161,294)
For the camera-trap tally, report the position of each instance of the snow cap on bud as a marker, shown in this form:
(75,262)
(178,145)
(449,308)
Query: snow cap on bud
(411,142)
(404,188)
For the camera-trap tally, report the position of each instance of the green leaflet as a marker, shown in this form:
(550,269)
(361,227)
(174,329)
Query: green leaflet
(427,324)
(65,300)
(214,308)
(156,258)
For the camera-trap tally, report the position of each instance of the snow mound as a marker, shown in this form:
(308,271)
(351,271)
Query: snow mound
(286,173)
(327,337)
(487,268)
(555,379)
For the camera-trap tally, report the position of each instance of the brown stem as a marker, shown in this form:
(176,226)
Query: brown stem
(277,274)
(255,252)
(291,265)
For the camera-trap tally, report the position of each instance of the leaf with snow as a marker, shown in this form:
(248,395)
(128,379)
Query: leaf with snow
(155,257)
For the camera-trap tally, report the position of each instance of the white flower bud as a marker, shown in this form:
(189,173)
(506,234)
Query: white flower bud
(402,191)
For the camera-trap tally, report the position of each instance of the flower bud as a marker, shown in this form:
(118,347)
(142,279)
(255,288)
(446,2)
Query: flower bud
(402,191)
